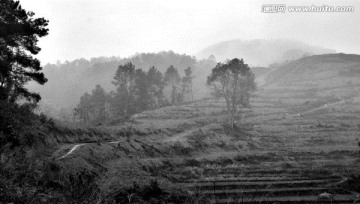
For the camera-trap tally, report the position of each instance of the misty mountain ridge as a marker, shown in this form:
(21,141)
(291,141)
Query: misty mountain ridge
(262,52)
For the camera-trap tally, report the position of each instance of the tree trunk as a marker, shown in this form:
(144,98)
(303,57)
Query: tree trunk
(192,95)
(232,120)
(173,95)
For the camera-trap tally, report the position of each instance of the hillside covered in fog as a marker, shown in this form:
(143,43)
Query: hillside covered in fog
(261,52)
(68,81)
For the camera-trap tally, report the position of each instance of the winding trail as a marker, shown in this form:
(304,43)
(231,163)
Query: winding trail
(71,151)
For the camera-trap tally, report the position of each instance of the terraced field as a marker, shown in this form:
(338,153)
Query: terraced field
(274,184)
(305,150)
(288,152)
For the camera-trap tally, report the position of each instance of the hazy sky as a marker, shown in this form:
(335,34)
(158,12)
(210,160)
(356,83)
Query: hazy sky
(89,28)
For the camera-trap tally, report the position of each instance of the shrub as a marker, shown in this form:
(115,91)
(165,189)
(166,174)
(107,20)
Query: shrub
(181,149)
(28,174)
(18,125)
(192,162)
(223,161)
(345,125)
(151,194)
(191,173)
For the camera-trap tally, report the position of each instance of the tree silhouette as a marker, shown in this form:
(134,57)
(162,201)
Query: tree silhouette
(19,33)
(84,108)
(141,87)
(156,87)
(235,82)
(172,78)
(99,100)
(124,80)
(187,83)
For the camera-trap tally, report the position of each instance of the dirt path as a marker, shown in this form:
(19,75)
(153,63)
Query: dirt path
(71,150)
(324,107)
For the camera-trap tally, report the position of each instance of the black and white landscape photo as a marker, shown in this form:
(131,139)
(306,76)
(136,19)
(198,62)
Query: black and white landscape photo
(179,102)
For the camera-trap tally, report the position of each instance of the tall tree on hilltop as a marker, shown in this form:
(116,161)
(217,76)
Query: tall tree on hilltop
(142,98)
(156,87)
(99,101)
(84,108)
(235,82)
(19,33)
(124,80)
(172,78)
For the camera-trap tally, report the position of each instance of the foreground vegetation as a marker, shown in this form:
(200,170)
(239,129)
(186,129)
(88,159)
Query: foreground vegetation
(29,172)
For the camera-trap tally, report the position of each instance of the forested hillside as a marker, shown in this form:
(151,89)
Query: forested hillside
(68,81)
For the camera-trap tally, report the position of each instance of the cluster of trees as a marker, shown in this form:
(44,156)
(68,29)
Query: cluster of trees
(136,90)
(93,107)
(63,89)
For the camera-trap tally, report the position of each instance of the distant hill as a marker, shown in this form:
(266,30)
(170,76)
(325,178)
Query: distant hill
(319,77)
(261,52)
(317,68)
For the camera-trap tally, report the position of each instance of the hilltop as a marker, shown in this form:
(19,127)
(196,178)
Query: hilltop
(261,52)
(332,75)
(317,68)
